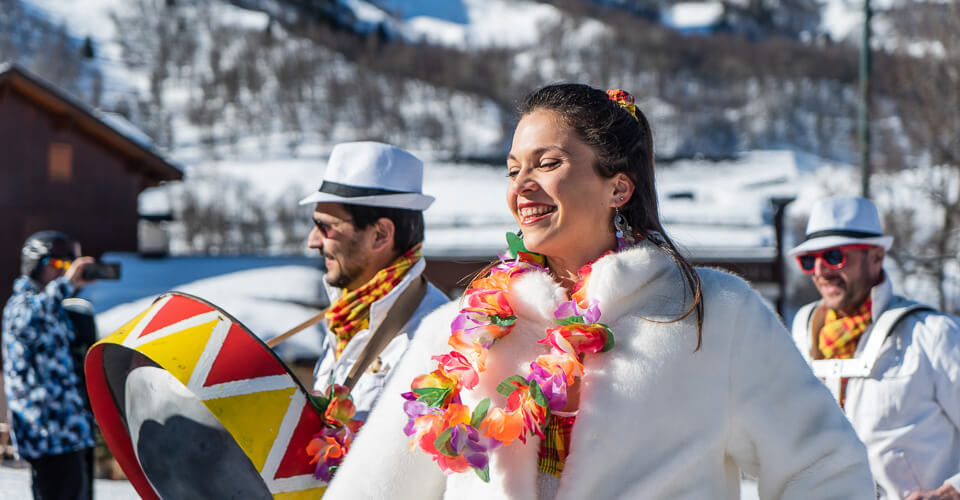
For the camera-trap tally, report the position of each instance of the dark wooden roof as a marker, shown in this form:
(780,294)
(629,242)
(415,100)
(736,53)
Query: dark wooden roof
(153,167)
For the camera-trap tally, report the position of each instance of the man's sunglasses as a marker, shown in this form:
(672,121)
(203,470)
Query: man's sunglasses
(326,227)
(834,258)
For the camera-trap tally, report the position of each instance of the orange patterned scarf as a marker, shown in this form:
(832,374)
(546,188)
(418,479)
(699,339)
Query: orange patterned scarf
(351,312)
(839,336)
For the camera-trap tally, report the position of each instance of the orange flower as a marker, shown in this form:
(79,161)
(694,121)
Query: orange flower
(502,425)
(324,448)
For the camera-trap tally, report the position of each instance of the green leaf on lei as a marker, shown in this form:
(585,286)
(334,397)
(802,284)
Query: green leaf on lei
(537,394)
(609,343)
(484,473)
(442,443)
(507,387)
(479,413)
(501,321)
(570,320)
(515,245)
(319,403)
(431,396)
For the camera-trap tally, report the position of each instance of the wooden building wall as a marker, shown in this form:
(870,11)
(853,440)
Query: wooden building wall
(94,201)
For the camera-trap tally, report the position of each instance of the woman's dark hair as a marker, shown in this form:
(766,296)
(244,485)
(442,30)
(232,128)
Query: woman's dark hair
(408,224)
(623,144)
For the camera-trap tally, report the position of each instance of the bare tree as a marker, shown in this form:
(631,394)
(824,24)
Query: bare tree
(927,79)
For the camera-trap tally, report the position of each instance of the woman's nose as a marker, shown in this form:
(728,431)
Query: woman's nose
(525,182)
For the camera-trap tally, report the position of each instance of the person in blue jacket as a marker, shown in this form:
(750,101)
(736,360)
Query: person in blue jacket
(51,427)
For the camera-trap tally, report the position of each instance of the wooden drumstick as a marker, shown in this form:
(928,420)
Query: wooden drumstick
(297,329)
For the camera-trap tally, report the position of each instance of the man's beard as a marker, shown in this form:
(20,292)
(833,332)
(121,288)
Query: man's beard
(349,254)
(343,279)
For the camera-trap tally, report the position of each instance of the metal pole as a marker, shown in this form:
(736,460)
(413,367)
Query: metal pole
(863,121)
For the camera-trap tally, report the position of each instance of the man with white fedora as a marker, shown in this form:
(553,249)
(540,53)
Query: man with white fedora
(892,364)
(368,226)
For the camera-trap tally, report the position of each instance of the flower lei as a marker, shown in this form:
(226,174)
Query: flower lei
(330,445)
(459,439)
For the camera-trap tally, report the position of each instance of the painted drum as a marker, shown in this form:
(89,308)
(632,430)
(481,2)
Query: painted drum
(194,405)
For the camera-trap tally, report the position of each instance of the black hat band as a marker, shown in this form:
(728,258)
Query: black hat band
(348,191)
(841,232)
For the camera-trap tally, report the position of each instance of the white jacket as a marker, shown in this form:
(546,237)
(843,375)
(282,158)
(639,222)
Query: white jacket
(908,411)
(657,419)
(368,386)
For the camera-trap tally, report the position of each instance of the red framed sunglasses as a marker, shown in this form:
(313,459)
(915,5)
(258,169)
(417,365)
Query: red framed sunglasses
(834,258)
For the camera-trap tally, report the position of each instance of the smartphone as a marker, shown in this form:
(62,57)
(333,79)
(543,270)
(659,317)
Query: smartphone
(102,271)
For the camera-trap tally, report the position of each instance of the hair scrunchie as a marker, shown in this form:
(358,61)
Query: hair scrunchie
(625,100)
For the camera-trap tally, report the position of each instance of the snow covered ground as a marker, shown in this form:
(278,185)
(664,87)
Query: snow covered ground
(15,485)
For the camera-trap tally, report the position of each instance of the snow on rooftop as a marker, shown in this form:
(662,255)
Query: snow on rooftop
(689,15)
(125,128)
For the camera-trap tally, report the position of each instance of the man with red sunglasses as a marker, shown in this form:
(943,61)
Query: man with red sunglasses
(892,364)
(52,427)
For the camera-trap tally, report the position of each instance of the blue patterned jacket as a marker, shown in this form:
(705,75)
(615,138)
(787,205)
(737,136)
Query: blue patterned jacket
(47,410)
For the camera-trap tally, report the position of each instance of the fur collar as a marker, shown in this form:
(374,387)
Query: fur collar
(642,280)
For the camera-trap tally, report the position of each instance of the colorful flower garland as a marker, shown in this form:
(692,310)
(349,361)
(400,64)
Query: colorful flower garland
(459,439)
(330,445)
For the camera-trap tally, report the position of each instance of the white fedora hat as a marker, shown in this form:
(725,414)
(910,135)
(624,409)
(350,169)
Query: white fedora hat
(843,220)
(372,174)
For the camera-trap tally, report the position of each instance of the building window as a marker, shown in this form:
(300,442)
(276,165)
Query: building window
(60,168)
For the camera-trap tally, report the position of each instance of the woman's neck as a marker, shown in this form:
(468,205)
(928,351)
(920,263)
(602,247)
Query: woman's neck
(566,266)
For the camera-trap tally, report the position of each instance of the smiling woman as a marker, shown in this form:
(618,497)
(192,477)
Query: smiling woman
(594,361)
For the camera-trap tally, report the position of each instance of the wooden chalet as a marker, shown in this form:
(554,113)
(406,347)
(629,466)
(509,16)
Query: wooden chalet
(63,166)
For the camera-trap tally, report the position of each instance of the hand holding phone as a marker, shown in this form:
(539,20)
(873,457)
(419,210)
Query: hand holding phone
(101,271)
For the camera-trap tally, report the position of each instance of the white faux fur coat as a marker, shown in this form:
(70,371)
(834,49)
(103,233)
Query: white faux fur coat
(657,419)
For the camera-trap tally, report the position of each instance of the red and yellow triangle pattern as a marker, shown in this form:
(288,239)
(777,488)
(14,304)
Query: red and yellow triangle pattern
(243,384)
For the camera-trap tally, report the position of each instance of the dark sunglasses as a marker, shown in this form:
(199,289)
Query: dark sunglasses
(834,258)
(325,228)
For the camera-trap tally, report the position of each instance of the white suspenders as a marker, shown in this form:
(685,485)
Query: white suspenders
(833,370)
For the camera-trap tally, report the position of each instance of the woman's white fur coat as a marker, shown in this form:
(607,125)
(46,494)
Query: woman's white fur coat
(657,419)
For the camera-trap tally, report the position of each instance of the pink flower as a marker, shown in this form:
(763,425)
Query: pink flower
(458,366)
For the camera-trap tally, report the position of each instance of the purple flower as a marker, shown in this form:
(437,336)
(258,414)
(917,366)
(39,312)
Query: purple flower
(570,308)
(553,385)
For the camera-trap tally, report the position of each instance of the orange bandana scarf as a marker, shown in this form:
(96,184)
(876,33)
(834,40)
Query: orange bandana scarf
(839,336)
(351,312)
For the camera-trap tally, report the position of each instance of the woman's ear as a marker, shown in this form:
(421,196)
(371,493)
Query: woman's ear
(622,190)
(383,231)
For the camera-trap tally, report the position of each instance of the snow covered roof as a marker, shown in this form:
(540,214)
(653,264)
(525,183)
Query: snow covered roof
(693,15)
(120,135)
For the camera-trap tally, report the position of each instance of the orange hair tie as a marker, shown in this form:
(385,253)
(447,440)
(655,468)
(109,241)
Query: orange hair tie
(625,100)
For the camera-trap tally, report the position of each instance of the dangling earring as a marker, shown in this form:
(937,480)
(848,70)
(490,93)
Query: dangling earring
(520,233)
(624,231)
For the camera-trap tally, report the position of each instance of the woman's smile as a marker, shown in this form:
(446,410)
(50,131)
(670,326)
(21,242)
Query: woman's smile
(531,212)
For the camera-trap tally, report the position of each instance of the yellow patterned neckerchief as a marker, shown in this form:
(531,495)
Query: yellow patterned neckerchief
(839,336)
(351,312)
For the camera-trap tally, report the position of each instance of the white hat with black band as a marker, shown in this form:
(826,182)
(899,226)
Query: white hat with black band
(372,174)
(843,220)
